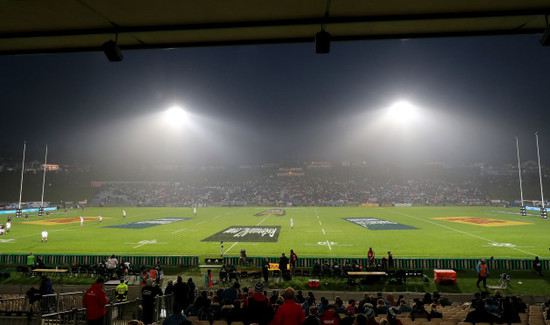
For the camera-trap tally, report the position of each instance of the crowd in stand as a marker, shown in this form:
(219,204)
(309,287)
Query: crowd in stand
(324,190)
(256,306)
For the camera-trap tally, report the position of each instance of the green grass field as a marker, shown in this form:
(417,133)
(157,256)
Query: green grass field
(318,231)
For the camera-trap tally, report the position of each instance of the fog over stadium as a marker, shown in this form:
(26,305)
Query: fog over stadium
(459,100)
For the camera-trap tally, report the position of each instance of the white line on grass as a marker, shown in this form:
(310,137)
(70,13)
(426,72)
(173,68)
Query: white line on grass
(328,243)
(456,230)
(182,229)
(231,247)
(259,223)
(200,223)
(324,233)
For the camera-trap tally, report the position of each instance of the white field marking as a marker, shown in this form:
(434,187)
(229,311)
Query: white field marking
(259,223)
(7,241)
(216,217)
(145,242)
(40,233)
(200,223)
(324,233)
(518,218)
(175,232)
(459,231)
(235,243)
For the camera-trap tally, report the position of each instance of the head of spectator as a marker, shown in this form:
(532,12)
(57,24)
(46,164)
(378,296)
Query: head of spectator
(313,310)
(361,319)
(135,322)
(259,287)
(289,294)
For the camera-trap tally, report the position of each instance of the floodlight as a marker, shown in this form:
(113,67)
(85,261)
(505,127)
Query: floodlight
(402,109)
(545,39)
(322,42)
(175,116)
(112,51)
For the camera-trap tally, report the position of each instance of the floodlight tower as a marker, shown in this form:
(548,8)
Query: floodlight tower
(543,214)
(18,212)
(522,206)
(41,209)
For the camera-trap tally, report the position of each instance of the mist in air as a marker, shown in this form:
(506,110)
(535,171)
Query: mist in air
(468,98)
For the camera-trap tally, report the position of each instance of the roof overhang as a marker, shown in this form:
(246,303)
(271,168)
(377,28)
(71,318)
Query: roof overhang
(56,26)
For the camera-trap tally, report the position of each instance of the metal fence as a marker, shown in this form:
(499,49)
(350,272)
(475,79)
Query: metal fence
(72,259)
(116,313)
(404,263)
(14,306)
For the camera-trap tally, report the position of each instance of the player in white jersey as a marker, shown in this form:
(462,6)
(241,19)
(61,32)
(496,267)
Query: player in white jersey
(100,218)
(81,221)
(44,236)
(195,211)
(291,223)
(8,226)
(123,214)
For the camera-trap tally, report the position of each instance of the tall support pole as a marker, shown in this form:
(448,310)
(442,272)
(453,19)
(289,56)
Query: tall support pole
(41,209)
(522,206)
(542,208)
(18,212)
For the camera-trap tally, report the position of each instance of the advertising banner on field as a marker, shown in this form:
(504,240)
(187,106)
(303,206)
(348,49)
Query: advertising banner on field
(378,224)
(247,234)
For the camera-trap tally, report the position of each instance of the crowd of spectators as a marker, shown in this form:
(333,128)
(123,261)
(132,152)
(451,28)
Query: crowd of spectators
(319,189)
(255,305)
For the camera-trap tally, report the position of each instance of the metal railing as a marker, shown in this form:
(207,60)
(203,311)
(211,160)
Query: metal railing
(116,314)
(9,306)
(66,309)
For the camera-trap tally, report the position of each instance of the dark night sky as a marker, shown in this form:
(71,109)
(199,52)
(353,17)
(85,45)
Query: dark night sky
(282,102)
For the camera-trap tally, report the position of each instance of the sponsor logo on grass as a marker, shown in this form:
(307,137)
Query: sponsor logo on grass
(148,223)
(484,222)
(51,222)
(378,224)
(274,212)
(145,242)
(247,234)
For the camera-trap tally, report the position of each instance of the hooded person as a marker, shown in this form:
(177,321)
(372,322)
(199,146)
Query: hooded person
(258,309)
(94,301)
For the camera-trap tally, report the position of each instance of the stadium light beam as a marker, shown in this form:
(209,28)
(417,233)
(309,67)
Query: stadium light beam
(175,116)
(403,110)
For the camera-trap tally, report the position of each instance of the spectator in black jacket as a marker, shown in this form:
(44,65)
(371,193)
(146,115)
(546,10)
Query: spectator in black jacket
(258,309)
(509,312)
(181,294)
(481,315)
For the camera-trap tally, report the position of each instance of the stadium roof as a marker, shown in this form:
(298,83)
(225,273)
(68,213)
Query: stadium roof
(39,26)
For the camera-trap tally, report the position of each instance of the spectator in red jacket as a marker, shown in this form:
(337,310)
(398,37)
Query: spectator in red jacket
(95,300)
(290,313)
(330,317)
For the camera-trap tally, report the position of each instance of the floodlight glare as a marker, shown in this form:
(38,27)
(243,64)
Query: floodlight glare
(175,116)
(402,110)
